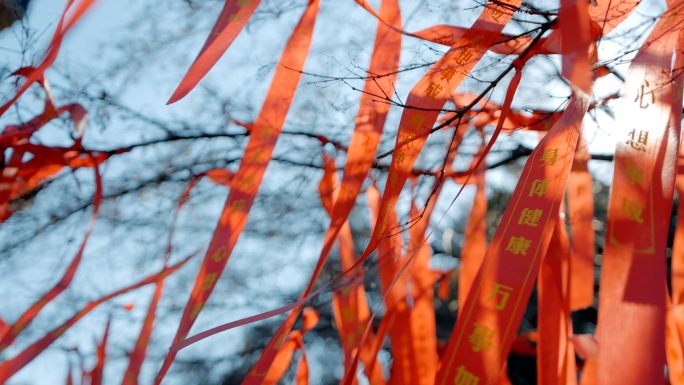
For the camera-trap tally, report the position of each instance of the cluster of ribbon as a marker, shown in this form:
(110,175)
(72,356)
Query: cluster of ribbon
(641,323)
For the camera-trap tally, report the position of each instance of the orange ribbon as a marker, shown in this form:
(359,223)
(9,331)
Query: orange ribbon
(246,182)
(10,367)
(631,300)
(555,353)
(475,243)
(231,21)
(33,75)
(96,374)
(489,318)
(362,149)
(674,330)
(581,211)
(349,303)
(137,356)
(11,333)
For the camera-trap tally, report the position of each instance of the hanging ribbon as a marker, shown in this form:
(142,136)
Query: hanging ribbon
(64,25)
(423,328)
(231,21)
(631,301)
(11,366)
(555,353)
(18,177)
(362,149)
(475,242)
(137,356)
(295,341)
(247,180)
(29,315)
(486,326)
(449,35)
(576,40)
(607,15)
(97,373)
(674,330)
(349,303)
(430,95)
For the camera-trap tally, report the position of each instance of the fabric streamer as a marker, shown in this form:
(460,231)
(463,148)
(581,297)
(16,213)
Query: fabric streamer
(29,315)
(362,149)
(75,9)
(11,366)
(475,234)
(136,357)
(555,353)
(631,299)
(231,21)
(489,318)
(96,375)
(349,303)
(674,330)
(580,201)
(295,341)
(576,41)
(246,181)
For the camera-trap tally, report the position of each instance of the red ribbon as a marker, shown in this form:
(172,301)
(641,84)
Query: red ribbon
(231,21)
(486,326)
(12,366)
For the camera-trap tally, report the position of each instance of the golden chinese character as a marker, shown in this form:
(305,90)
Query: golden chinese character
(433,90)
(481,338)
(219,254)
(258,156)
(549,156)
(416,121)
(351,340)
(18,327)
(281,340)
(581,189)
(464,377)
(61,330)
(235,17)
(247,182)
(641,93)
(367,145)
(447,73)
(238,205)
(530,217)
(638,143)
(502,292)
(633,210)
(385,212)
(130,377)
(539,187)
(348,314)
(357,168)
(400,157)
(345,290)
(518,245)
(196,310)
(444,39)
(209,281)
(634,174)
(512,44)
(463,57)
(393,180)
(477,41)
(496,14)
(243,3)
(407,140)
(267,132)
(143,341)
